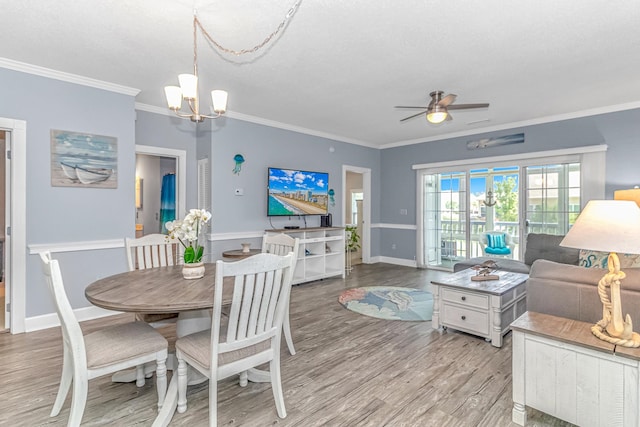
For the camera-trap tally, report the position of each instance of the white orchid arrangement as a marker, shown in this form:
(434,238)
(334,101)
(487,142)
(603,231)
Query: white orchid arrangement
(187,231)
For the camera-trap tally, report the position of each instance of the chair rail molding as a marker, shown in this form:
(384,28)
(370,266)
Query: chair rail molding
(91,245)
(395,226)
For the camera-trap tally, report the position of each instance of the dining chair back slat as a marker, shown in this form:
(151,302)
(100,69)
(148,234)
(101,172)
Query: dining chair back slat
(282,244)
(151,251)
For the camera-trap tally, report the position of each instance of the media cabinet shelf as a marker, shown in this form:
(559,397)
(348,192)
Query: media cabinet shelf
(321,252)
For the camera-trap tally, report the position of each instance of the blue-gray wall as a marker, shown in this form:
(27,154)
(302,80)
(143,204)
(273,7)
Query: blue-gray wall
(620,131)
(69,214)
(262,147)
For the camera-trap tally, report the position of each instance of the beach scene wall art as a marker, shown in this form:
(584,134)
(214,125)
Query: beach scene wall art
(516,138)
(83,160)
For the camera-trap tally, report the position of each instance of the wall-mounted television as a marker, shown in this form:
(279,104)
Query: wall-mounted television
(294,192)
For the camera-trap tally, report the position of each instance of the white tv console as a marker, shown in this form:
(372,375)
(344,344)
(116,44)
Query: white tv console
(321,252)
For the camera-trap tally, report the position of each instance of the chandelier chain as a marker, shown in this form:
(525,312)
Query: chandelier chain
(289,15)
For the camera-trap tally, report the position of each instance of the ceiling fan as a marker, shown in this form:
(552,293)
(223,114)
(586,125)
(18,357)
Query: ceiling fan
(438,109)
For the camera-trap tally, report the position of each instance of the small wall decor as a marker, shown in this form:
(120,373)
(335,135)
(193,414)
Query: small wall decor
(239,161)
(516,138)
(83,160)
(331,197)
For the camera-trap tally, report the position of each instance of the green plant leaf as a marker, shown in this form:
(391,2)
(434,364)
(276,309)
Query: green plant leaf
(199,253)
(189,255)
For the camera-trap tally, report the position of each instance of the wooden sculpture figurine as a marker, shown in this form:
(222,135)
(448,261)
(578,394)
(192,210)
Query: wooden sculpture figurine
(484,270)
(613,328)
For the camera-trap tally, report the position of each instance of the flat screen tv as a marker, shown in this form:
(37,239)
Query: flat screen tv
(293,192)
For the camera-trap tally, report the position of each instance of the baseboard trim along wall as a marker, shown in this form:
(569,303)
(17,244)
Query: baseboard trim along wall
(395,261)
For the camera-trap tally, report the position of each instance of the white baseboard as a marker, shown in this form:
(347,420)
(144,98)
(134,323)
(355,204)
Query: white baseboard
(50,320)
(396,261)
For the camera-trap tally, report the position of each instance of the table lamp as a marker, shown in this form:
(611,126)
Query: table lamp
(632,194)
(609,226)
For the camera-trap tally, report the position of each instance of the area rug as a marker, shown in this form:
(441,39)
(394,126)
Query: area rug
(389,302)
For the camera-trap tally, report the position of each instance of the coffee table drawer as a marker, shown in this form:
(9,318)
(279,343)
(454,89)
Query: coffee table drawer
(466,298)
(465,319)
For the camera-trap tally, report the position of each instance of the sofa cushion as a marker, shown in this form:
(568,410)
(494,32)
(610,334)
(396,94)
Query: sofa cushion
(496,241)
(547,246)
(571,291)
(497,251)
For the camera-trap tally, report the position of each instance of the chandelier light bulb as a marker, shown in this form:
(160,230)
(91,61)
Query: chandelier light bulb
(219,99)
(174,97)
(189,86)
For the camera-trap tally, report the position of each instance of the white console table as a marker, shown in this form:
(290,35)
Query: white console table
(321,252)
(562,369)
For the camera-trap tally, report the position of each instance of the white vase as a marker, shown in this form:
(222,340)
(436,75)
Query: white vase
(246,247)
(193,271)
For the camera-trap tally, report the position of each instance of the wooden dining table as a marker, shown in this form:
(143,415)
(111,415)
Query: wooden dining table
(164,290)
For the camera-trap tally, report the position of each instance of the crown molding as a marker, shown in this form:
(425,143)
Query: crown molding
(264,122)
(66,77)
(531,122)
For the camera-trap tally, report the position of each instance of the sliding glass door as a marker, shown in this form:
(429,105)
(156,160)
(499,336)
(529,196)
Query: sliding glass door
(553,198)
(444,218)
(460,207)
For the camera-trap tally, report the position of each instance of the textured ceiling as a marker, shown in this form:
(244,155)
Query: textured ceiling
(339,67)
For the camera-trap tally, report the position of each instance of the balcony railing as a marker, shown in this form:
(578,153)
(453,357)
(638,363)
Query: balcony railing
(453,236)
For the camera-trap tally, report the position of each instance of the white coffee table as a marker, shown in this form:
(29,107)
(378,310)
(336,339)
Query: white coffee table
(483,308)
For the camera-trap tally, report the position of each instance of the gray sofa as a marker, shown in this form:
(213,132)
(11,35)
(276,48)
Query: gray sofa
(538,246)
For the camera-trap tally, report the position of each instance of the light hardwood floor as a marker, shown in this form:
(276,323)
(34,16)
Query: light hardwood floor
(349,370)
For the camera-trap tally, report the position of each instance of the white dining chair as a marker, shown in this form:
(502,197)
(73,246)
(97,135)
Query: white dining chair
(101,352)
(152,251)
(282,244)
(250,336)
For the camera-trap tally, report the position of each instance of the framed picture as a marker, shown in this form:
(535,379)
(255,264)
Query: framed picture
(83,160)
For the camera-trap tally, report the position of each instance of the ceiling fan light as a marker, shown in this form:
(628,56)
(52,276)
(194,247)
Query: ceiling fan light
(219,99)
(436,117)
(174,97)
(189,86)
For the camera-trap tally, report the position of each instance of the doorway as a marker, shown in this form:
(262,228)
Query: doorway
(356,209)
(4,319)
(160,188)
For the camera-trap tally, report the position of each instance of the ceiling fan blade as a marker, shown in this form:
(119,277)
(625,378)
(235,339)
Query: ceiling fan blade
(415,115)
(447,100)
(449,118)
(466,106)
(404,106)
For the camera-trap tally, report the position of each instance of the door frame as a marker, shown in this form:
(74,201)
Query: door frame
(366,207)
(16,242)
(181,171)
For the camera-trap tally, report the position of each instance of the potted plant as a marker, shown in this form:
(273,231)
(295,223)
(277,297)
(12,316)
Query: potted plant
(353,239)
(188,232)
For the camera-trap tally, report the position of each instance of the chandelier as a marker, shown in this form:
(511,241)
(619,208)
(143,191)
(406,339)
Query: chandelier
(188,89)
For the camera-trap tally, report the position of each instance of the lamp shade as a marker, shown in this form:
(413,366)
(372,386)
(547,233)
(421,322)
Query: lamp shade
(632,194)
(189,86)
(174,97)
(607,226)
(219,99)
